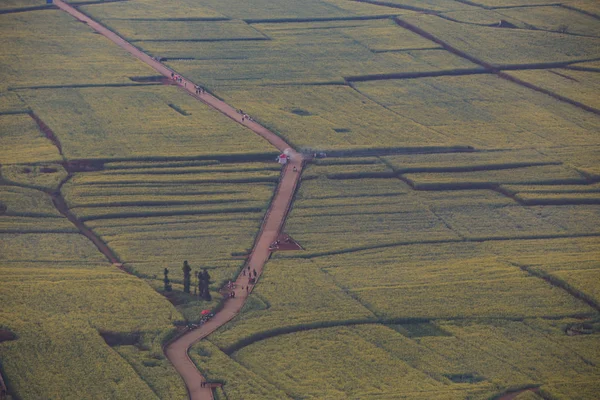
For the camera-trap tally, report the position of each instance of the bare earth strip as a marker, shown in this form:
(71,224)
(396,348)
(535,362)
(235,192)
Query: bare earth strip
(177,351)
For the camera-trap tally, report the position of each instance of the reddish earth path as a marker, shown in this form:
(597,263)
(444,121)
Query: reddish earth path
(177,350)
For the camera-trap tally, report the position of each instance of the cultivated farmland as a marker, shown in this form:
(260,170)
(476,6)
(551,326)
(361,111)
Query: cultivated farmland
(448,221)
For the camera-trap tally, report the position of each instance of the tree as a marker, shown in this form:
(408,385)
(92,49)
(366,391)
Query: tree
(186,277)
(167,281)
(203,283)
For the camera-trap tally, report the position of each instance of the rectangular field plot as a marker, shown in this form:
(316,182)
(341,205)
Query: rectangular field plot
(539,357)
(331,117)
(60,335)
(26,210)
(24,202)
(526,46)
(522,297)
(151,10)
(49,47)
(583,158)
(430,5)
(138,122)
(555,18)
(21,141)
(308,52)
(323,223)
(581,86)
(374,372)
(154,223)
(184,30)
(291,295)
(285,9)
(468,161)
(16,4)
(241,381)
(538,175)
(376,35)
(49,248)
(485,112)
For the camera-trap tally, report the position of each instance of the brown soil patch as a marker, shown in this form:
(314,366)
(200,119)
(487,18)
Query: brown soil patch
(83,165)
(6,335)
(285,242)
(513,395)
(121,339)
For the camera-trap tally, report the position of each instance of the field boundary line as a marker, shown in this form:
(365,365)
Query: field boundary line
(492,68)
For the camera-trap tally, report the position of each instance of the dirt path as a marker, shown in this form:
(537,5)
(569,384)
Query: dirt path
(177,351)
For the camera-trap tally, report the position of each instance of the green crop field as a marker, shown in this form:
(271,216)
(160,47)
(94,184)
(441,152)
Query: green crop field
(577,85)
(449,238)
(21,141)
(150,9)
(159,216)
(485,112)
(184,30)
(58,294)
(526,46)
(36,53)
(83,120)
(555,19)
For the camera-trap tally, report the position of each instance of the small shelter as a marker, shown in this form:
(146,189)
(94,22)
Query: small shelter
(283,159)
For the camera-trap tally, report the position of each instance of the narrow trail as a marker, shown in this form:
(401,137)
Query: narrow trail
(177,350)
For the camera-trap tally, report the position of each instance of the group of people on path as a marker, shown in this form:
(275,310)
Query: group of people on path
(244,115)
(199,89)
(177,78)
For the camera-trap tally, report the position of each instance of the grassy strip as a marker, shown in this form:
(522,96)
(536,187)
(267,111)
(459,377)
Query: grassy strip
(362,175)
(173,164)
(555,281)
(86,85)
(473,168)
(316,325)
(24,9)
(383,151)
(414,75)
(241,39)
(325,19)
(225,158)
(170,213)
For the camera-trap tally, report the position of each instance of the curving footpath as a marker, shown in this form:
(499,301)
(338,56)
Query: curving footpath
(177,350)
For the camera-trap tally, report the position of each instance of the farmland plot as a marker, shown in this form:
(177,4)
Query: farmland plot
(555,18)
(136,30)
(526,47)
(150,9)
(21,141)
(485,112)
(157,217)
(46,258)
(294,294)
(331,117)
(580,86)
(152,123)
(41,48)
(374,371)
(59,347)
